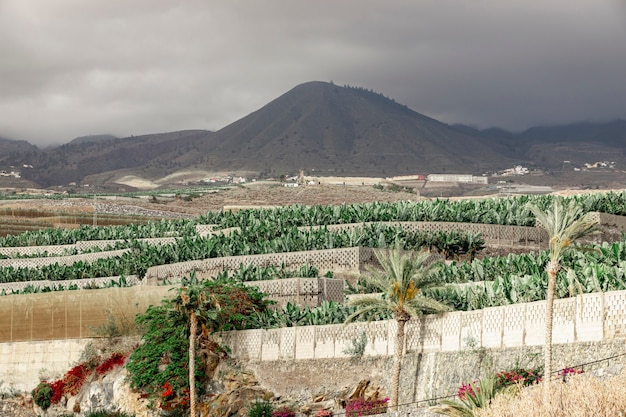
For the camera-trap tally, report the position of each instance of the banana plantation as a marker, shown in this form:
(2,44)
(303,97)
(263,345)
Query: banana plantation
(468,279)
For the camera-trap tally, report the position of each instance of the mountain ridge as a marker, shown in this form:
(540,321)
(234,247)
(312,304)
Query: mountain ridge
(320,128)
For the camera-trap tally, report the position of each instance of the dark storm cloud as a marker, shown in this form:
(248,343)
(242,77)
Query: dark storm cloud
(72,68)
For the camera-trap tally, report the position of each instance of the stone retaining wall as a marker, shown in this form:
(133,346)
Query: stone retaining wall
(80,246)
(309,292)
(493,234)
(89,283)
(340,261)
(61,260)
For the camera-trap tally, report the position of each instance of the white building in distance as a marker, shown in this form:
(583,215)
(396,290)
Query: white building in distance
(466,178)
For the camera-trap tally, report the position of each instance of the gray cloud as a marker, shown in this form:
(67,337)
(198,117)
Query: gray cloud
(72,68)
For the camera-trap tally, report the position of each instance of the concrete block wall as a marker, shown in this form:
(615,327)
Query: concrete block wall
(585,330)
(587,318)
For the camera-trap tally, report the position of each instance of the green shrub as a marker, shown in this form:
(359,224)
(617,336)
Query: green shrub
(163,357)
(42,395)
(359,343)
(260,409)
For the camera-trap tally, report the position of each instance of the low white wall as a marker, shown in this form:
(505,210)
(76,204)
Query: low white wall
(24,364)
(590,318)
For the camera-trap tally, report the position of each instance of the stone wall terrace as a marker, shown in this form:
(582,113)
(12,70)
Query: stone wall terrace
(309,292)
(61,260)
(88,283)
(341,260)
(494,234)
(83,245)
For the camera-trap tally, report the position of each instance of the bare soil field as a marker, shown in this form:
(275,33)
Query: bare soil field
(264,195)
(257,195)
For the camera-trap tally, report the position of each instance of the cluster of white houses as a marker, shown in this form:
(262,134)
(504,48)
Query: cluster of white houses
(10,174)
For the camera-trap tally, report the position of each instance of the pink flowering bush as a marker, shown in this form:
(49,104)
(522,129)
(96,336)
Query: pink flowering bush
(466,389)
(362,407)
(503,379)
(522,376)
(569,371)
(284,412)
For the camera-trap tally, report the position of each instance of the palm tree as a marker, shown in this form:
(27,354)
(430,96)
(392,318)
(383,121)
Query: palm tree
(403,277)
(195,303)
(564,222)
(216,305)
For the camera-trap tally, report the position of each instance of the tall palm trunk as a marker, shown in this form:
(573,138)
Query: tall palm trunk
(193,328)
(552,268)
(401,318)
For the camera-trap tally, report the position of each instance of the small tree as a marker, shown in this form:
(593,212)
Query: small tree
(192,302)
(213,305)
(402,280)
(564,223)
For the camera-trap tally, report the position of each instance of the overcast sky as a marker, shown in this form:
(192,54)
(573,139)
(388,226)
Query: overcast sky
(70,68)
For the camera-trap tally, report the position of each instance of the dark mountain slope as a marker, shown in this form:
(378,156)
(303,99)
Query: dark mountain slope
(324,127)
(13,152)
(74,161)
(578,143)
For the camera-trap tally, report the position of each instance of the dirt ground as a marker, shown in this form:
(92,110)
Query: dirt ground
(261,195)
(275,195)
(250,195)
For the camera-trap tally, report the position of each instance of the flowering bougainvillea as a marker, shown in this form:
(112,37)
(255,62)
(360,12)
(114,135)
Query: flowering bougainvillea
(564,373)
(58,388)
(73,380)
(167,390)
(522,376)
(284,412)
(113,361)
(362,407)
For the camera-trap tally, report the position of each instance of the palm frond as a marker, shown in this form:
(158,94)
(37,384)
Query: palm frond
(564,223)
(402,280)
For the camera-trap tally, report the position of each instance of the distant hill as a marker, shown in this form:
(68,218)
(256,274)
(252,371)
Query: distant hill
(13,151)
(323,129)
(76,160)
(91,139)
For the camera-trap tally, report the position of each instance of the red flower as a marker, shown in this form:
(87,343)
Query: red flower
(167,390)
(117,359)
(58,387)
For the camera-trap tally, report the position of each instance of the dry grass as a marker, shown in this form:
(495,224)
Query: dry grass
(582,396)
